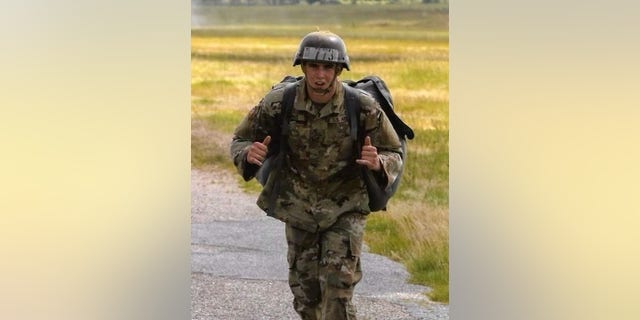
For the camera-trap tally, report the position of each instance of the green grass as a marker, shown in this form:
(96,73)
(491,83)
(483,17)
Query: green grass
(428,267)
(417,237)
(427,169)
(235,62)
(392,242)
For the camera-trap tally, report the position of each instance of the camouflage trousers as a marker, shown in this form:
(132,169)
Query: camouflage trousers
(324,268)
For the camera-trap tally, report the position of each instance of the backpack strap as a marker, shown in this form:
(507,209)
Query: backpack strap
(377,196)
(278,137)
(352,108)
(288,98)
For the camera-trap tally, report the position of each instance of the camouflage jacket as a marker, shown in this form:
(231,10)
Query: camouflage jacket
(320,179)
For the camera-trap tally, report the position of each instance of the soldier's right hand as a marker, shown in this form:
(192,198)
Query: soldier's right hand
(258,151)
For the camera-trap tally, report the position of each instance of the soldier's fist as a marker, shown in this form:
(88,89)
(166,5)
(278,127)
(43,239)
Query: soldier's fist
(258,151)
(369,156)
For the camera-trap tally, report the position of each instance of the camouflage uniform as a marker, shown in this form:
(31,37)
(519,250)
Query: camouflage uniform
(322,198)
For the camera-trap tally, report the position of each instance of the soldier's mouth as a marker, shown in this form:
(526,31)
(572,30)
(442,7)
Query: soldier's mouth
(319,88)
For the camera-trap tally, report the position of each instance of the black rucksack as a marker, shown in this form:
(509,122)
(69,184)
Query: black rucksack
(378,197)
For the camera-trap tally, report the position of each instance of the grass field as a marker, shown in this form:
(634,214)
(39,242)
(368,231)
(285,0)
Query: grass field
(244,50)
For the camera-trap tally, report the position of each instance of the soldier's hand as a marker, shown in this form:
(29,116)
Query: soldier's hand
(258,151)
(369,156)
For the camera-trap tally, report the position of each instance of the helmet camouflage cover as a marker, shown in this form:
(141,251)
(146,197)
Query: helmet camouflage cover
(322,46)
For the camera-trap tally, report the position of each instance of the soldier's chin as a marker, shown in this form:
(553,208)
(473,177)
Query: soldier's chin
(319,90)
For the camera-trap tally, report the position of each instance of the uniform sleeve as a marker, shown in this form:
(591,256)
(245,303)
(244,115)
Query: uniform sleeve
(256,125)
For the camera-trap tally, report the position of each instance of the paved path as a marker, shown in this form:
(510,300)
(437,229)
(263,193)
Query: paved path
(239,263)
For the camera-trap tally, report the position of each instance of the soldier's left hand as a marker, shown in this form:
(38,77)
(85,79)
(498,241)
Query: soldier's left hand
(369,156)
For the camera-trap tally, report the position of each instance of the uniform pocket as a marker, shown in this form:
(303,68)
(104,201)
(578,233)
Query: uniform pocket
(299,137)
(355,247)
(337,137)
(291,258)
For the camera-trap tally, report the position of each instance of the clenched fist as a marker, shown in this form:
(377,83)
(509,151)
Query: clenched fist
(369,156)
(258,151)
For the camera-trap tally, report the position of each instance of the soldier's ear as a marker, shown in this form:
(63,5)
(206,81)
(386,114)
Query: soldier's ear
(338,69)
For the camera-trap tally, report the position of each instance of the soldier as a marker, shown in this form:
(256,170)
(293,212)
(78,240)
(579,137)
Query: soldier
(321,197)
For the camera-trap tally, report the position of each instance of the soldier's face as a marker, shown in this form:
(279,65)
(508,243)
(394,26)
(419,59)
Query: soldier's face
(320,76)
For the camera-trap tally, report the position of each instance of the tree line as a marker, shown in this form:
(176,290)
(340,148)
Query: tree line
(311,2)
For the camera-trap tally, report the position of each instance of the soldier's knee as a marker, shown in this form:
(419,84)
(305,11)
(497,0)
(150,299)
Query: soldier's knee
(341,277)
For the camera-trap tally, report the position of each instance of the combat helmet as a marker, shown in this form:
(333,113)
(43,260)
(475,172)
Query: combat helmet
(322,46)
